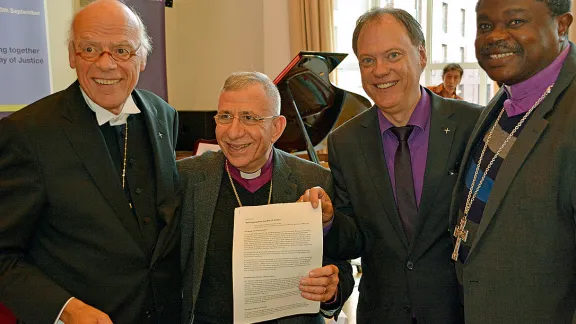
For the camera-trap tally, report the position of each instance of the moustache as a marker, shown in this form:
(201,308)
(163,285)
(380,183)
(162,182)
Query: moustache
(500,45)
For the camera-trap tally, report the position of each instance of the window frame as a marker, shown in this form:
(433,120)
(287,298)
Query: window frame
(439,66)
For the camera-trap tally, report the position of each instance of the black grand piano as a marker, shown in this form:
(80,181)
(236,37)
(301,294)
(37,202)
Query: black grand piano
(312,105)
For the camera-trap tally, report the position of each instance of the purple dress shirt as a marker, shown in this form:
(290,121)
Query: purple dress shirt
(523,95)
(418,142)
(253,184)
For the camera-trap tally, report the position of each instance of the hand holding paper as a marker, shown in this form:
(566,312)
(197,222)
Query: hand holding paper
(321,284)
(317,195)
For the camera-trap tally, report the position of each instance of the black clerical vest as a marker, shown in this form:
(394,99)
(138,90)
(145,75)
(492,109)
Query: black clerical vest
(140,180)
(215,299)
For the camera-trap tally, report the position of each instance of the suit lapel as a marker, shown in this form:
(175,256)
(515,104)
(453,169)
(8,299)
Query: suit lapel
(284,189)
(440,141)
(371,144)
(87,140)
(535,127)
(164,157)
(205,197)
(164,167)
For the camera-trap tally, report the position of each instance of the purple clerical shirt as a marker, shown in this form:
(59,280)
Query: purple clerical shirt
(523,95)
(417,142)
(254,184)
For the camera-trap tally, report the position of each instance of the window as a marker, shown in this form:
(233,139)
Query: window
(445,17)
(336,38)
(418,10)
(388,3)
(441,47)
(463,26)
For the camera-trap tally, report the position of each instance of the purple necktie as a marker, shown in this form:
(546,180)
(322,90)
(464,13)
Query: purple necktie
(405,197)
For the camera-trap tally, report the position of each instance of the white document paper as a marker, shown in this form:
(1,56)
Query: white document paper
(274,247)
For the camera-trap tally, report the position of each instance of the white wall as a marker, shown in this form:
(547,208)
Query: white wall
(59,15)
(208,40)
(276,37)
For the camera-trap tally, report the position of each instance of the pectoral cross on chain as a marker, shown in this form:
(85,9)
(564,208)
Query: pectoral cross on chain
(461,235)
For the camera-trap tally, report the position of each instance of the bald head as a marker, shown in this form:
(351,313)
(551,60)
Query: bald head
(108,49)
(110,14)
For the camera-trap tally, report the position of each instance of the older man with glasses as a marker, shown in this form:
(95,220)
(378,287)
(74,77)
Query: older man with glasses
(88,188)
(248,171)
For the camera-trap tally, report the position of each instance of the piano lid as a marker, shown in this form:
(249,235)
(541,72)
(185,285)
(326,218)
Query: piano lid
(307,94)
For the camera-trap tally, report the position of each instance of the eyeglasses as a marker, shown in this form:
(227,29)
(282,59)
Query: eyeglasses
(246,120)
(91,52)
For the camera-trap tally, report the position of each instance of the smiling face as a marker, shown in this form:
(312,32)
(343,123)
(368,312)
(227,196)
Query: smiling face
(451,80)
(248,147)
(107,24)
(390,66)
(516,39)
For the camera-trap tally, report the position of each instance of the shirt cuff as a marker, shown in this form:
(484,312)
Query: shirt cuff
(329,304)
(328,313)
(58,321)
(327,226)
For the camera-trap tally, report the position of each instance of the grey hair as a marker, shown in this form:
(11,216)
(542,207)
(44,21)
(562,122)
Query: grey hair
(240,80)
(145,40)
(410,23)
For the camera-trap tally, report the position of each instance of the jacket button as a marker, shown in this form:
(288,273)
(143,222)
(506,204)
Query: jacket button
(410,265)
(407,309)
(138,191)
(147,220)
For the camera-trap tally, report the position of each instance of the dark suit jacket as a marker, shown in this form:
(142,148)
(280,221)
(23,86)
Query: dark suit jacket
(522,264)
(66,228)
(399,278)
(201,177)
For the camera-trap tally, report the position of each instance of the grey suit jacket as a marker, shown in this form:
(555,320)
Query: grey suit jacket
(400,278)
(201,177)
(65,225)
(522,264)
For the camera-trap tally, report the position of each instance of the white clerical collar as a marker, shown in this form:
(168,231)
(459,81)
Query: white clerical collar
(250,176)
(103,116)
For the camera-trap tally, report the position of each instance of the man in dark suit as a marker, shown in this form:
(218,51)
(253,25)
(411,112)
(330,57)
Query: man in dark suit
(394,169)
(88,188)
(515,229)
(247,172)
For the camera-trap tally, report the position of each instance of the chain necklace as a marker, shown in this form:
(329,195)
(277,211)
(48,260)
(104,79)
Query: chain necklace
(124,159)
(236,193)
(460,233)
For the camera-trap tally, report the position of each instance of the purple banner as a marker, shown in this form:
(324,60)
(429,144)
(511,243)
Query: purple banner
(154,77)
(24,69)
